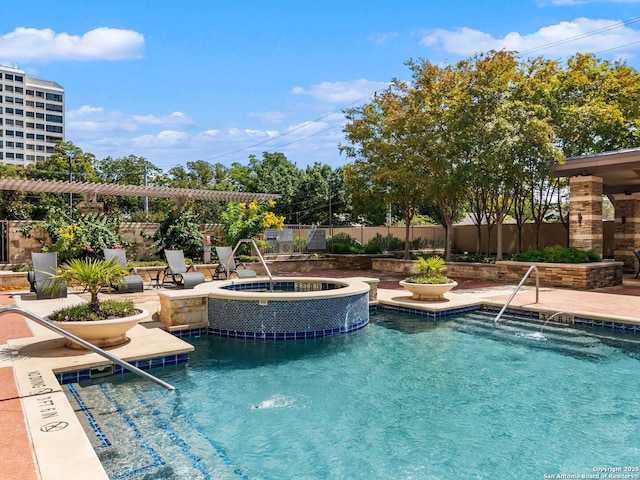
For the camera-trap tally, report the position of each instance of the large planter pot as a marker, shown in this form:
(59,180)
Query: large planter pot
(102,333)
(433,292)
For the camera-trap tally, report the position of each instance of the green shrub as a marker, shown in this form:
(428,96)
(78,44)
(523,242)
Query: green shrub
(558,254)
(380,243)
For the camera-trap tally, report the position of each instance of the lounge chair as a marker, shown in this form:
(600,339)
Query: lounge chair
(178,271)
(228,265)
(45,266)
(637,254)
(130,283)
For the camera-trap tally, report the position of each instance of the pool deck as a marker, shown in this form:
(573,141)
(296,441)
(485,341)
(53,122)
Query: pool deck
(38,424)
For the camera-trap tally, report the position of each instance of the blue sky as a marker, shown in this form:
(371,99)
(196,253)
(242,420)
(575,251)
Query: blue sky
(218,80)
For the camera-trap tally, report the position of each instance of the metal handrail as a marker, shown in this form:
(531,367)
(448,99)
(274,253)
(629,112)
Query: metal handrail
(532,268)
(84,343)
(247,240)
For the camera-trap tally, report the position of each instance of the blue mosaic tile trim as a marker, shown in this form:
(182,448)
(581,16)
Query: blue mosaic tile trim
(289,335)
(82,375)
(93,423)
(73,377)
(190,332)
(150,363)
(284,286)
(157,461)
(424,313)
(276,319)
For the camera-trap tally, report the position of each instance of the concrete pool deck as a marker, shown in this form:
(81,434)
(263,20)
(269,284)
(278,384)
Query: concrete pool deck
(41,437)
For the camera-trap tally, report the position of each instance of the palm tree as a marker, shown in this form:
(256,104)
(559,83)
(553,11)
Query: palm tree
(92,274)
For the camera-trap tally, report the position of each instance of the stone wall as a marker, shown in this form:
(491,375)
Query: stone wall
(584,276)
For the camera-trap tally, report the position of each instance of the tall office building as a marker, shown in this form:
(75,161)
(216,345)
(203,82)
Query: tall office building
(31,117)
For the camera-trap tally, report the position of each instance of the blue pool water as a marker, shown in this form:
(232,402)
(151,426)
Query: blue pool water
(403,398)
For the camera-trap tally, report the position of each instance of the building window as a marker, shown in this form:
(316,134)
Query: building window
(19,156)
(31,146)
(31,136)
(18,78)
(30,93)
(54,129)
(19,123)
(39,104)
(8,88)
(8,110)
(20,134)
(56,97)
(19,111)
(40,116)
(54,108)
(39,126)
(9,121)
(10,156)
(9,133)
(30,103)
(40,94)
(54,118)
(9,144)
(30,114)
(19,90)
(19,101)
(19,145)
(8,99)
(8,76)
(31,125)
(31,158)
(40,148)
(39,137)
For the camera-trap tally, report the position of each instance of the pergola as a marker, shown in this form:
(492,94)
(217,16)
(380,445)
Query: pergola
(617,175)
(92,190)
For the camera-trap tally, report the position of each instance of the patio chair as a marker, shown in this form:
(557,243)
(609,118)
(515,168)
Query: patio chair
(130,283)
(45,266)
(228,265)
(178,271)
(637,254)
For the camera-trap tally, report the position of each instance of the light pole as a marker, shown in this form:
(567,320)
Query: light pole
(70,193)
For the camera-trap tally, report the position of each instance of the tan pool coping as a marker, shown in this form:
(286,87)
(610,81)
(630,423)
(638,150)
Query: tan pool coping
(49,421)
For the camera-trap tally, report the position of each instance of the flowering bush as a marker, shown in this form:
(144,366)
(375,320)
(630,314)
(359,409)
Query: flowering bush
(180,231)
(83,237)
(242,220)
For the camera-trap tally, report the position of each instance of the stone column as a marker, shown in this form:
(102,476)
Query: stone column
(585,213)
(626,232)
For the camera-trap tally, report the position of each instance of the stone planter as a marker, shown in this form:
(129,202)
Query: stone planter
(431,292)
(102,333)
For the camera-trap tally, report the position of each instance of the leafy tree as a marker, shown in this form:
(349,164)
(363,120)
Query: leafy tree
(14,204)
(131,170)
(386,167)
(67,163)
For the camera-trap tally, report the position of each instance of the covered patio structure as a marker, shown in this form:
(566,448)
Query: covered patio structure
(614,174)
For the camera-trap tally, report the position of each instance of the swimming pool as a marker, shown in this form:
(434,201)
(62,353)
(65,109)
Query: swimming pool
(404,398)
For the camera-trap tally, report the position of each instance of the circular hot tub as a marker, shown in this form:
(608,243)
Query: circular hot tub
(287,308)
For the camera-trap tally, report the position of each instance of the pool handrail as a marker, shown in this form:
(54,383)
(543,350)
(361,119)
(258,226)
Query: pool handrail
(250,240)
(532,268)
(84,343)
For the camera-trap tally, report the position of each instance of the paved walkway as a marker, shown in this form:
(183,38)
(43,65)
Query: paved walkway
(16,448)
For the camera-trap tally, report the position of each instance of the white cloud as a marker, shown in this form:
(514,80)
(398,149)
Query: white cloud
(383,38)
(564,38)
(30,44)
(88,118)
(165,138)
(341,92)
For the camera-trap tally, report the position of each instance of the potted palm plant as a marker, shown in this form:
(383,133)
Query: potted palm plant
(102,323)
(429,281)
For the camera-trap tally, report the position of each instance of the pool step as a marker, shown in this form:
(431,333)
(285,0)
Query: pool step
(555,336)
